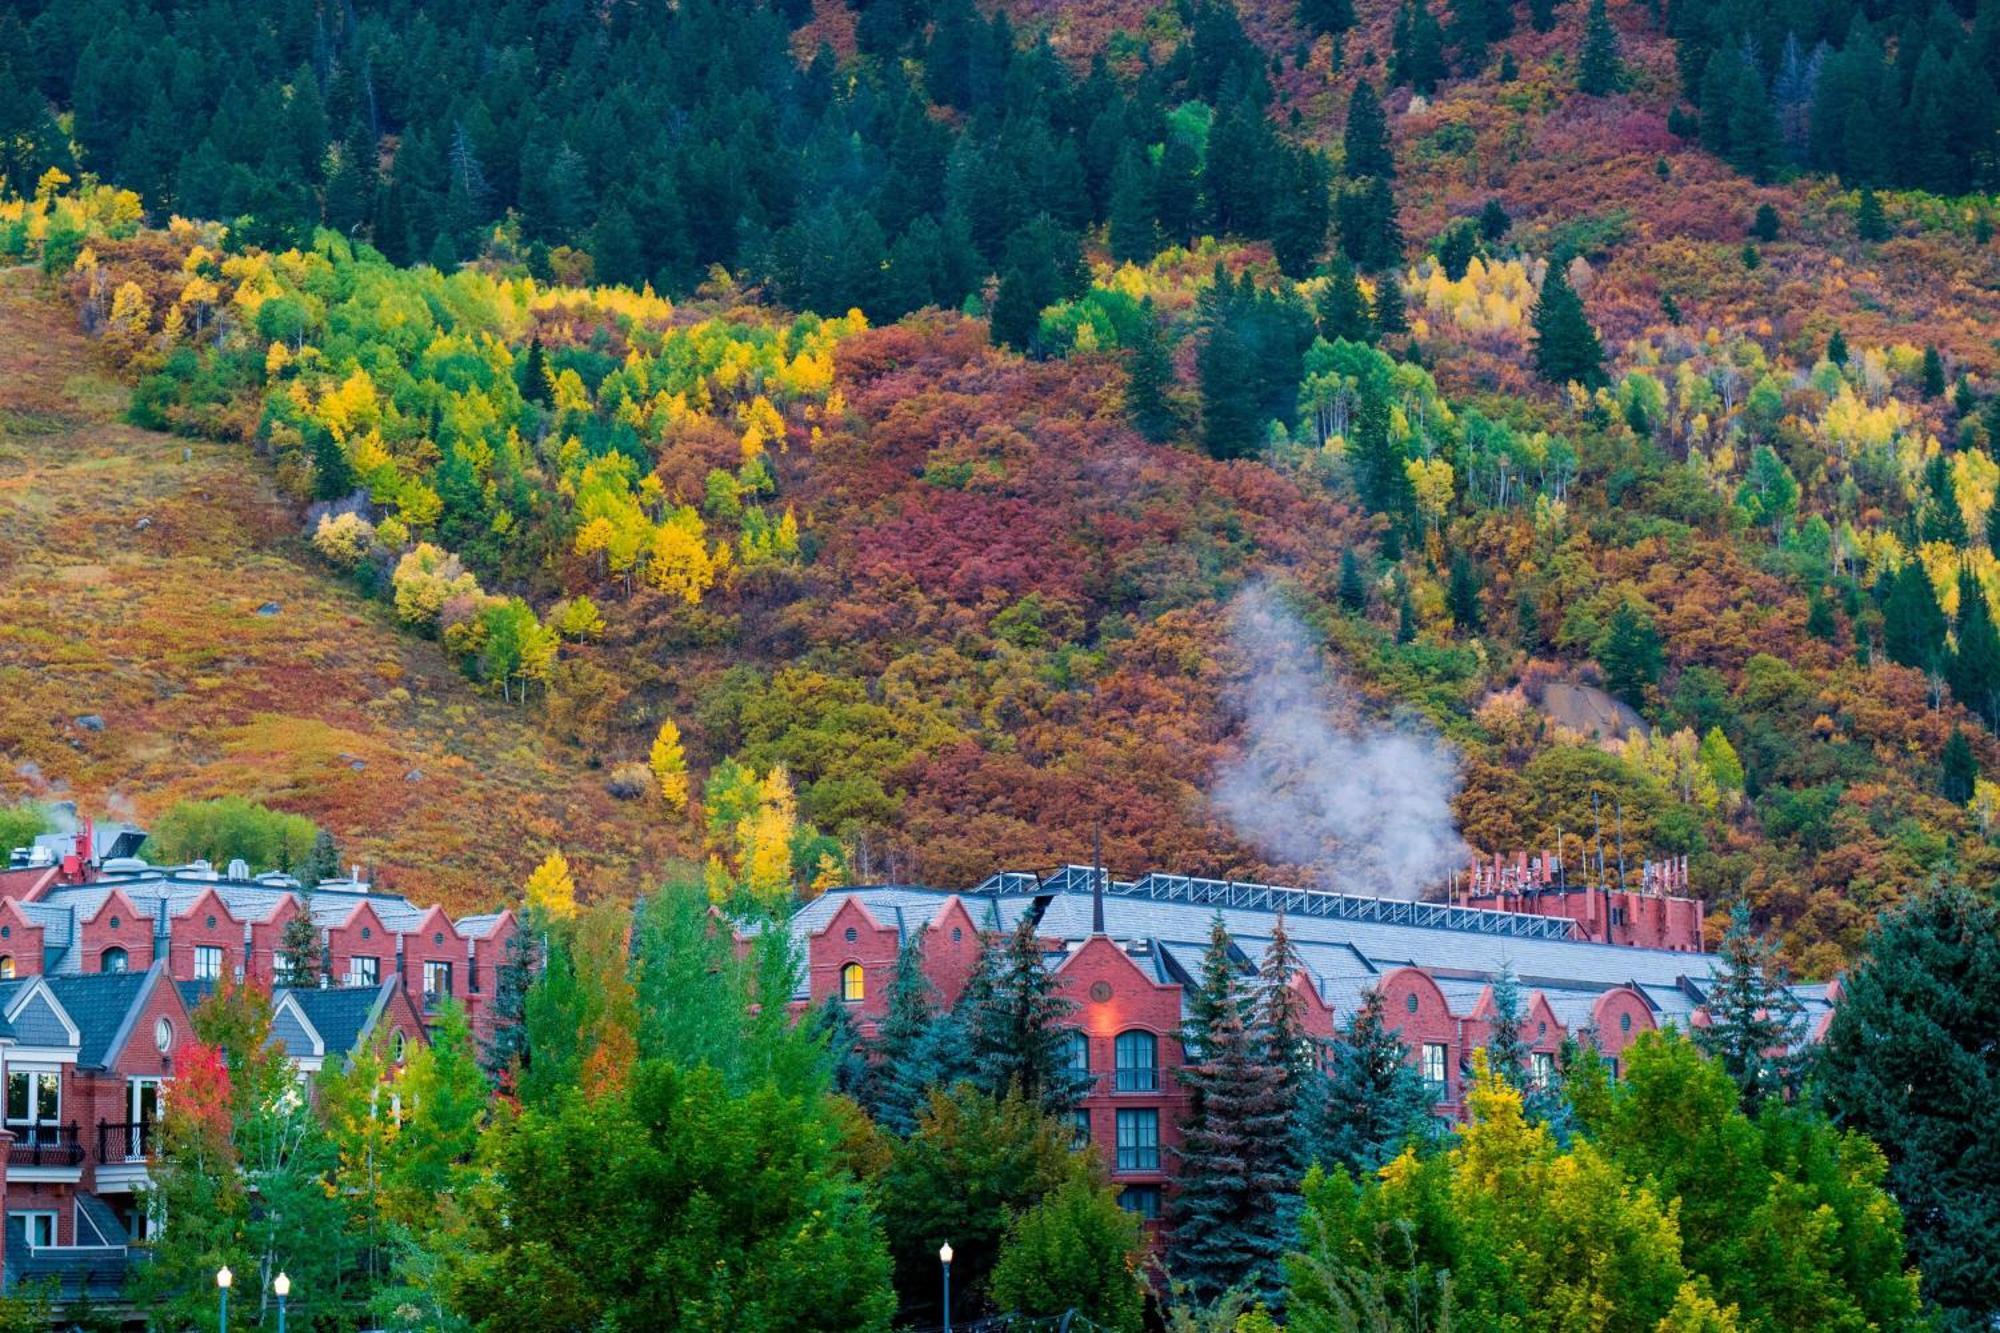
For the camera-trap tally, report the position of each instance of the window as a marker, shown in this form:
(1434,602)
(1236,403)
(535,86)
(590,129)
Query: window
(113,960)
(437,980)
(1076,1051)
(1079,1129)
(1139,1139)
(1624,1022)
(1141,1199)
(163,1035)
(207,962)
(34,1097)
(1543,1073)
(363,970)
(853,983)
(1434,1067)
(41,1228)
(1410,1002)
(6,967)
(144,1105)
(399,1047)
(1611,1068)
(1138,1060)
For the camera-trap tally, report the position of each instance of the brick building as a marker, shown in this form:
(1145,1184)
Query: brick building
(1126,960)
(103,959)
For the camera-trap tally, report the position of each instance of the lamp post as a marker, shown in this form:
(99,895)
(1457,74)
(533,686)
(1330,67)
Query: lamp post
(223,1277)
(944,1257)
(281,1285)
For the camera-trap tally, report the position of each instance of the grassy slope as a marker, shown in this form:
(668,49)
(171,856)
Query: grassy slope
(132,567)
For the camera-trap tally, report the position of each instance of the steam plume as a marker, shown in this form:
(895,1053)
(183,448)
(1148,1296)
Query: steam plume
(1365,807)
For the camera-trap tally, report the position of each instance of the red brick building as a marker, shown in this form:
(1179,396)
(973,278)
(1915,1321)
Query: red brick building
(1434,964)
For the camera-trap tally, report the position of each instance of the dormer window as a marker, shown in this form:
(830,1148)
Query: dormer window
(853,983)
(113,959)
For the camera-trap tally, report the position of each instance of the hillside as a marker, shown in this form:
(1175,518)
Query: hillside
(160,638)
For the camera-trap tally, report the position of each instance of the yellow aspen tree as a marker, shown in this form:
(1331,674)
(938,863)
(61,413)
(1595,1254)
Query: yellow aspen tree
(764,839)
(680,563)
(551,889)
(669,765)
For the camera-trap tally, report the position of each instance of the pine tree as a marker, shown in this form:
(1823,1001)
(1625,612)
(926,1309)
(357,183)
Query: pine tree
(1133,230)
(1372,1100)
(1836,348)
(1301,213)
(1913,625)
(507,1046)
(1974,673)
(1869,222)
(1462,591)
(1366,136)
(299,955)
(1148,376)
(322,862)
(1328,16)
(1629,651)
(1417,51)
(1599,70)
(1542,15)
(1958,769)
(1566,346)
(1820,620)
(1755,1024)
(1280,1024)
(1506,1052)
(1908,1062)
(1941,519)
(1933,373)
(1353,594)
(1765,227)
(1375,457)
(1389,313)
(1015,1024)
(1236,1186)
(1494,223)
(1343,310)
(901,1083)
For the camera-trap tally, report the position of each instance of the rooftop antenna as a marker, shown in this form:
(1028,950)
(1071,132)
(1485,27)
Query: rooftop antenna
(1097,880)
(1597,836)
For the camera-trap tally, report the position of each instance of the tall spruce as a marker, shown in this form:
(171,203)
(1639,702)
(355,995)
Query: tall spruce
(1416,54)
(1371,1100)
(1755,1023)
(299,955)
(1015,1024)
(1599,70)
(1365,138)
(1148,376)
(1506,1052)
(1913,624)
(1289,1045)
(1975,667)
(903,1075)
(1236,1151)
(1353,589)
(1566,346)
(506,1048)
(1958,769)
(1908,1061)
(1389,311)
(1343,310)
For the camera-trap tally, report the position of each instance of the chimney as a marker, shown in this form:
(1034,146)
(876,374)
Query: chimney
(1097,881)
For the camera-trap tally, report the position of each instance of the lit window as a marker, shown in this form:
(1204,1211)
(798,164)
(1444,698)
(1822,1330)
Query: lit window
(113,960)
(7,967)
(437,980)
(1141,1199)
(1543,1074)
(1139,1140)
(853,983)
(399,1046)
(1076,1051)
(363,970)
(1138,1061)
(1434,1067)
(207,962)
(1079,1129)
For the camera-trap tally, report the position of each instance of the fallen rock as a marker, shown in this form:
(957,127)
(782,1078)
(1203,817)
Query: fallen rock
(269,609)
(91,722)
(414,775)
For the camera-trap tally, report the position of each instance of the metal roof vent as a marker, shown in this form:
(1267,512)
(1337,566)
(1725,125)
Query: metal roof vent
(239,869)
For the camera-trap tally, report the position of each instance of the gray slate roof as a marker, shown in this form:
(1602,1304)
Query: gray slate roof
(102,1005)
(343,1015)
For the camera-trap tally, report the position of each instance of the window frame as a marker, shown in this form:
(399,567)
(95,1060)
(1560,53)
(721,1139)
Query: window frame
(36,1081)
(30,1216)
(210,962)
(853,983)
(433,969)
(354,970)
(1134,1075)
(121,954)
(1435,1054)
(1137,1143)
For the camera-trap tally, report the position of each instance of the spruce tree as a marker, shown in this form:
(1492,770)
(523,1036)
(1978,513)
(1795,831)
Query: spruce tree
(1755,1024)
(1869,222)
(1494,223)
(1836,348)
(896,1093)
(1942,518)
(1974,673)
(1389,313)
(1148,376)
(322,862)
(1366,136)
(1566,346)
(1343,310)
(1958,769)
(1506,1052)
(1462,590)
(507,1047)
(1933,373)
(1301,213)
(1908,1061)
(1765,227)
(1236,1183)
(1133,230)
(1375,457)
(1372,1100)
(1417,51)
(1231,424)
(299,949)
(1630,652)
(1328,16)
(1599,70)
(1542,15)
(1280,1024)
(1913,625)
(1015,1028)
(1353,592)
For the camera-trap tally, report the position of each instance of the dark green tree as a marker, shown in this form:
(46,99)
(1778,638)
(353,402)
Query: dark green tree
(1933,373)
(1506,1051)
(1148,377)
(1353,593)
(1372,1100)
(1417,48)
(1765,227)
(1755,1023)
(1494,223)
(1869,222)
(1389,316)
(1913,625)
(1836,348)
(1014,1019)
(1376,458)
(1908,1062)
(902,1076)
(1974,673)
(1328,16)
(1343,310)
(1630,652)
(1365,139)
(1599,70)
(1566,346)
(1958,769)
(1463,589)
(1133,230)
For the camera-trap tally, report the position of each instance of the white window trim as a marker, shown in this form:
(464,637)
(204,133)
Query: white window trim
(29,1216)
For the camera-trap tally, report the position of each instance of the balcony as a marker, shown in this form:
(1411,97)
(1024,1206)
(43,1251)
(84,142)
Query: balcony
(46,1144)
(120,1141)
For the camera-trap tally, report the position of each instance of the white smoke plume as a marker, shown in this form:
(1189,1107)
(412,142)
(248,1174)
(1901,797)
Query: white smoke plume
(1359,805)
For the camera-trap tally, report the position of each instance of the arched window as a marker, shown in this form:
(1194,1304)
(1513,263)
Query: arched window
(1076,1051)
(113,960)
(1138,1061)
(853,983)
(6,967)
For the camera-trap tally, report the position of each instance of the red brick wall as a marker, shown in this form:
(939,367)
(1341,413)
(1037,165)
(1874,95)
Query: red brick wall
(951,949)
(1619,1016)
(436,941)
(20,941)
(874,945)
(133,934)
(1430,1021)
(1111,996)
(362,934)
(267,940)
(191,930)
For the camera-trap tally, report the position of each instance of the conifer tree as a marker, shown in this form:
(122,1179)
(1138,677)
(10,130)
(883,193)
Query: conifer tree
(1302,212)
(1343,311)
(1375,457)
(1629,650)
(1913,625)
(1975,668)
(1599,70)
(1542,15)
(1869,222)
(1280,1024)
(1754,1021)
(1942,519)
(299,949)
(1328,16)
(1836,348)
(1133,230)
(322,862)
(1566,346)
(1389,313)
(507,1046)
(1462,590)
(1366,136)
(1149,375)
(1933,373)
(1015,1024)
(1506,1052)
(1236,1146)
(1372,1100)
(1908,1061)
(1353,592)
(1959,769)
(898,1090)
(1417,48)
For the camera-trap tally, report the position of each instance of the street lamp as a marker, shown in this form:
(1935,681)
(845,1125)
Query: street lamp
(223,1277)
(944,1257)
(282,1285)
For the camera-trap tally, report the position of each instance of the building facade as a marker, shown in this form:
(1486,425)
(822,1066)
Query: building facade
(1127,953)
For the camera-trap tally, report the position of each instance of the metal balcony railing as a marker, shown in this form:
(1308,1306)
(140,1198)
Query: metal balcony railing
(126,1140)
(46,1144)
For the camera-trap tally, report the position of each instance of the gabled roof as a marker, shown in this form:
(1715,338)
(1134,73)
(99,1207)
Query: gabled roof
(33,1016)
(344,1016)
(105,1006)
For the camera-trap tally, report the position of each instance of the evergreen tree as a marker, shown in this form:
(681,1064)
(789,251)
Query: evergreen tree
(1566,346)
(1370,233)
(1942,519)
(506,1049)
(1506,1052)
(1148,377)
(1328,16)
(1372,1100)
(1629,651)
(1133,231)
(1366,136)
(1908,1061)
(1754,1022)
(832,1024)
(1389,315)
(1301,213)
(1280,1024)
(1542,15)
(1869,222)
(1836,348)
(1913,625)
(1959,769)
(1417,48)
(1343,310)
(902,1077)
(1353,592)
(322,862)
(1599,70)
(1235,1155)
(1974,673)
(1820,620)
(1494,223)
(299,954)
(1462,594)
(1014,1025)
(1933,373)
(1231,424)
(1375,457)
(1765,227)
